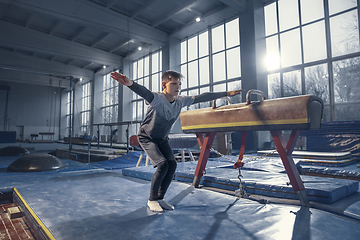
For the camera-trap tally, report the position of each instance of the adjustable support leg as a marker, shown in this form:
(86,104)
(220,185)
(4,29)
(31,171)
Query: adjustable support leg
(147,160)
(98,136)
(127,138)
(205,145)
(191,155)
(182,151)
(110,137)
(140,158)
(285,151)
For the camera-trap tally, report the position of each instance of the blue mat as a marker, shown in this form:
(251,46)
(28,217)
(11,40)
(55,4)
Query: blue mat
(87,201)
(9,180)
(263,177)
(125,161)
(328,163)
(267,183)
(146,172)
(112,207)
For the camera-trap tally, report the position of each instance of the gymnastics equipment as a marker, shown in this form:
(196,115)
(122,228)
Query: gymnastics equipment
(290,113)
(36,162)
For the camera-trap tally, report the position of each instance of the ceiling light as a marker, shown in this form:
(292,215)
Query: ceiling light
(139,48)
(80,79)
(198,19)
(104,67)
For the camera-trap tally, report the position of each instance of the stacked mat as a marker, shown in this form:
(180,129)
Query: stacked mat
(273,183)
(328,159)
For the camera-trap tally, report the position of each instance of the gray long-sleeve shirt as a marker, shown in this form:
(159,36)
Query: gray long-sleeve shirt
(161,114)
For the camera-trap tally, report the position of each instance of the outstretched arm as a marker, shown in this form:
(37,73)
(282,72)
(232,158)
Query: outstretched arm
(212,96)
(123,79)
(234,92)
(138,89)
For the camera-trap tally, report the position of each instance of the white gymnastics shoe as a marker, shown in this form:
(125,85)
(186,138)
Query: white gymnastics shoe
(165,205)
(154,206)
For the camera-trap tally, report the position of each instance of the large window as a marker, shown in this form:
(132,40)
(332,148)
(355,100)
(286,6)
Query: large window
(156,71)
(146,72)
(217,68)
(313,48)
(110,101)
(85,108)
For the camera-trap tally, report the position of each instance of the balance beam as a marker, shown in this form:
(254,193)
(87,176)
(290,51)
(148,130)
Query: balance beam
(291,113)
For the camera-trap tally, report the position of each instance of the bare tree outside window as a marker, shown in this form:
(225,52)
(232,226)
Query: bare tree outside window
(234,86)
(274,88)
(292,83)
(220,88)
(310,61)
(317,82)
(344,33)
(347,112)
(347,80)
(204,104)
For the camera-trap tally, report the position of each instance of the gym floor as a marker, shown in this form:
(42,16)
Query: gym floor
(85,201)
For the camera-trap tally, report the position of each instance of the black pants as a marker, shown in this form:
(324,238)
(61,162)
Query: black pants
(162,157)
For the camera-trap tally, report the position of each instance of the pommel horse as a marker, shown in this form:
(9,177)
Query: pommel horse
(291,113)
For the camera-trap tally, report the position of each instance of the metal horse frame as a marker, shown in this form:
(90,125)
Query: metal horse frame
(284,149)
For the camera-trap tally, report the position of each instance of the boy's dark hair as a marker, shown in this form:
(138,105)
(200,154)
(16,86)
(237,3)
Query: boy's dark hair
(168,75)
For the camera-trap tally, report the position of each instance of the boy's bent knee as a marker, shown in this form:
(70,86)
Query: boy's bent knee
(163,166)
(169,165)
(172,165)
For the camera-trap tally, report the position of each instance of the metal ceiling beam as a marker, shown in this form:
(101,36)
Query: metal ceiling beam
(120,45)
(32,78)
(100,39)
(28,21)
(111,3)
(33,41)
(204,19)
(184,6)
(70,62)
(54,27)
(144,7)
(239,5)
(90,14)
(88,65)
(82,29)
(23,62)
(194,11)
(180,22)
(3,11)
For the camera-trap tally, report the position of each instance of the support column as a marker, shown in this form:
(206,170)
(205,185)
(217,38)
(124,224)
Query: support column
(97,104)
(253,50)
(171,60)
(125,97)
(92,106)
